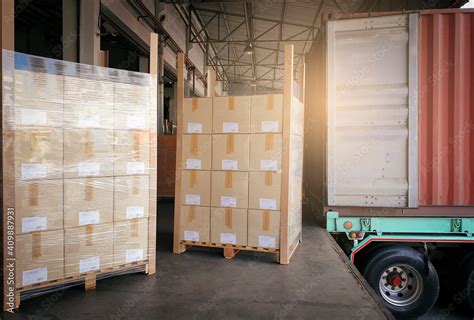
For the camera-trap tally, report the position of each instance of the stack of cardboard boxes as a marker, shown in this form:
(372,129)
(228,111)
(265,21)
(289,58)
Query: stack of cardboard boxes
(82,175)
(231,170)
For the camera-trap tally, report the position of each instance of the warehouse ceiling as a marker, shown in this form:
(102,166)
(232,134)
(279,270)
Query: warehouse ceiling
(231,27)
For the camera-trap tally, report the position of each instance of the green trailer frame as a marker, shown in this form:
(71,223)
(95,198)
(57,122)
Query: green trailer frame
(366,230)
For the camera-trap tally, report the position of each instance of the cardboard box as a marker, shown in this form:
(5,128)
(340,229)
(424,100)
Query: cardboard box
(131,197)
(88,103)
(230,152)
(229,226)
(195,223)
(130,241)
(264,190)
(264,228)
(88,153)
(197,151)
(197,115)
(38,153)
(265,152)
(131,152)
(134,109)
(88,201)
(39,257)
(231,114)
(88,249)
(196,187)
(38,205)
(266,113)
(230,189)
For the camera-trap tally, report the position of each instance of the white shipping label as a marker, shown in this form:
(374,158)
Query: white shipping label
(136,122)
(266,242)
(33,117)
(269,126)
(35,276)
(89,264)
(191,235)
(230,165)
(31,171)
(34,224)
(193,199)
(230,127)
(193,164)
(89,217)
(228,201)
(194,127)
(89,120)
(135,167)
(269,165)
(135,212)
(268,204)
(89,169)
(133,255)
(228,238)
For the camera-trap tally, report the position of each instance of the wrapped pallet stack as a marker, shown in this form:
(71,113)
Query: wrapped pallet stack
(81,145)
(233,166)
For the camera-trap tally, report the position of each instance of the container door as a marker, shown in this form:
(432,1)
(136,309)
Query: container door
(372,107)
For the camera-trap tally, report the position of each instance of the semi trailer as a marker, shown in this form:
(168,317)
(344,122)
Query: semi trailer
(390,162)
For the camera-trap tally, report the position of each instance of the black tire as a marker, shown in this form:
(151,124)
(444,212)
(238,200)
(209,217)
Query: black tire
(470,290)
(413,265)
(466,285)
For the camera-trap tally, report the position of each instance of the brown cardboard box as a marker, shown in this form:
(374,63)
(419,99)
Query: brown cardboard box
(197,115)
(230,152)
(230,189)
(38,205)
(38,153)
(264,228)
(88,201)
(131,152)
(197,151)
(134,107)
(264,190)
(231,114)
(130,241)
(265,152)
(196,187)
(39,257)
(88,249)
(229,226)
(266,113)
(131,197)
(195,223)
(88,153)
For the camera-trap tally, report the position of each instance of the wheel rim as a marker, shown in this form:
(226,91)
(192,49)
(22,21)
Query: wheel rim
(400,285)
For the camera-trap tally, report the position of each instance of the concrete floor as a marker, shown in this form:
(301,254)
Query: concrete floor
(201,284)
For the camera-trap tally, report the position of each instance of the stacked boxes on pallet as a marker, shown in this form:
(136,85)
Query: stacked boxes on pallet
(82,155)
(231,177)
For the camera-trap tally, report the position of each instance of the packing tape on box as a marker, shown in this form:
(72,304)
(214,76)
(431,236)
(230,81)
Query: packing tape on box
(89,144)
(228,217)
(135,185)
(137,141)
(230,144)
(266,221)
(270,102)
(268,141)
(194,144)
(134,227)
(268,178)
(192,178)
(89,189)
(231,103)
(36,245)
(194,104)
(191,214)
(33,193)
(89,235)
(228,179)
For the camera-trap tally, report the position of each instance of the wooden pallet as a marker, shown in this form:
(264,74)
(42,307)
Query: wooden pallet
(230,250)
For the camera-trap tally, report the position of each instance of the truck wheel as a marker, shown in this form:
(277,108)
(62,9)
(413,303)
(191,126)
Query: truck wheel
(407,283)
(470,290)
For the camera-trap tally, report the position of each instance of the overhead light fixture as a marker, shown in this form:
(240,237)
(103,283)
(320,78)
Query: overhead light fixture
(248,49)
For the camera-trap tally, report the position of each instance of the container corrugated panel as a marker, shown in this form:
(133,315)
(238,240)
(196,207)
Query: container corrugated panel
(446,102)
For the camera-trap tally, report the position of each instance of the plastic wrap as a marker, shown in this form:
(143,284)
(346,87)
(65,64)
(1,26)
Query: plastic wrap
(79,169)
